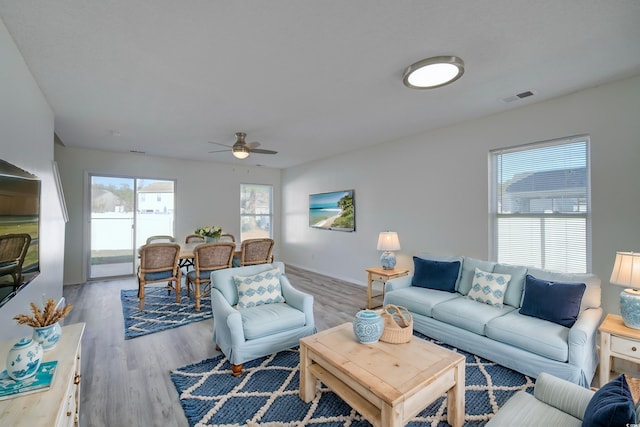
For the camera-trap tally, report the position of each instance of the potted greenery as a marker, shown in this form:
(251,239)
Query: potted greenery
(210,233)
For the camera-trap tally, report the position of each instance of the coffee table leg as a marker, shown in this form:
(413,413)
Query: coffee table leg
(455,398)
(307,380)
(391,417)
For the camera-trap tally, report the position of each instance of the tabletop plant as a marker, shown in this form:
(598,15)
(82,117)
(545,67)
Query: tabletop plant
(209,231)
(50,315)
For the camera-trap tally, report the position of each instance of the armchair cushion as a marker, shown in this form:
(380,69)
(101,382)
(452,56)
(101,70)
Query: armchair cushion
(258,289)
(269,319)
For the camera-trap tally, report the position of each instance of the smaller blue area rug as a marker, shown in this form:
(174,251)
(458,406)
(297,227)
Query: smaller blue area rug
(267,394)
(160,311)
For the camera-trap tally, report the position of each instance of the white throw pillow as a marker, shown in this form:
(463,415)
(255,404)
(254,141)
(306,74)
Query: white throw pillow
(261,288)
(489,288)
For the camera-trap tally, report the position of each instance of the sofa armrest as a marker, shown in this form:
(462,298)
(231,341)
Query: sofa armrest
(582,341)
(298,299)
(563,395)
(398,283)
(224,313)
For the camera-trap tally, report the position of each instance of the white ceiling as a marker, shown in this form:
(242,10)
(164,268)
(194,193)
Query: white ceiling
(309,79)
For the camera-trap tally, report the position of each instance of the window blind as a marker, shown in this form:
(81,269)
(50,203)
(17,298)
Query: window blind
(540,205)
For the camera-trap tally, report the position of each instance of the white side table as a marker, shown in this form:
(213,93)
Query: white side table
(617,340)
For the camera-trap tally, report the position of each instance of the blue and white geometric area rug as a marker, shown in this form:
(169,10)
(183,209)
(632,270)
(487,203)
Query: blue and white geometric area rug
(267,394)
(160,311)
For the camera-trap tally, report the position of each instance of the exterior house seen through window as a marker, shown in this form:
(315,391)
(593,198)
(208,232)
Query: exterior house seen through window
(256,211)
(540,206)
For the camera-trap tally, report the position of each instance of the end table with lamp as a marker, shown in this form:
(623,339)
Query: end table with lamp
(620,335)
(382,275)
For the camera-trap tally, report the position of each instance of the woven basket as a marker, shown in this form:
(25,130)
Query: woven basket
(398,324)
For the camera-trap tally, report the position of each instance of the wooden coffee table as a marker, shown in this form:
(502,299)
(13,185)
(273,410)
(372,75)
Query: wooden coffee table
(387,383)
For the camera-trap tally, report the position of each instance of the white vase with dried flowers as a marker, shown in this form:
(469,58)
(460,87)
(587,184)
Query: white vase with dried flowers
(46,329)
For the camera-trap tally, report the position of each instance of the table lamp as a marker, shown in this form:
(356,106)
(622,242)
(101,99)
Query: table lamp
(388,242)
(626,272)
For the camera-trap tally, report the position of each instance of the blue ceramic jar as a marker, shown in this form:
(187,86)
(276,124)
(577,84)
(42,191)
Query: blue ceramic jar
(24,359)
(368,326)
(47,336)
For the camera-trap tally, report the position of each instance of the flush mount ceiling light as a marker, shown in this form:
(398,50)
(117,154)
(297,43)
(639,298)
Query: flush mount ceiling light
(433,72)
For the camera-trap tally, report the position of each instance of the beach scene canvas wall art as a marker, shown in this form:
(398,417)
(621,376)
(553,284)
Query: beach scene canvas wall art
(333,211)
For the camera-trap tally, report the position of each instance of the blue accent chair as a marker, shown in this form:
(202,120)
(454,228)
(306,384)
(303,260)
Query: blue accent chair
(245,334)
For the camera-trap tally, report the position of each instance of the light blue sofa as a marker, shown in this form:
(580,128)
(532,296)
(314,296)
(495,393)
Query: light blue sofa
(244,334)
(523,343)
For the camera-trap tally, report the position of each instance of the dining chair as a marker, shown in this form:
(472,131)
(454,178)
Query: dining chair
(226,237)
(159,262)
(194,238)
(160,239)
(208,257)
(256,251)
(13,250)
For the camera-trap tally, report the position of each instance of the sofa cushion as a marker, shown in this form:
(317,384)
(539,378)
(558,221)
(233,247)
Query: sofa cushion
(445,258)
(489,288)
(513,295)
(535,335)
(260,288)
(468,314)
(553,301)
(440,275)
(610,406)
(592,294)
(269,319)
(469,266)
(418,300)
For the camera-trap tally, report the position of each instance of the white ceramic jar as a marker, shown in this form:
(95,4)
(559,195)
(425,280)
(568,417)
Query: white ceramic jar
(24,359)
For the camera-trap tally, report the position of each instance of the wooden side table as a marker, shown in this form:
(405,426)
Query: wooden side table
(379,274)
(617,340)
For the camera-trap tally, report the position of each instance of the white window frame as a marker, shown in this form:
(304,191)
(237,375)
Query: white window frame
(583,211)
(269,214)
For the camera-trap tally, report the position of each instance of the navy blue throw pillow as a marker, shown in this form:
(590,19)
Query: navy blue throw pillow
(439,275)
(556,302)
(611,406)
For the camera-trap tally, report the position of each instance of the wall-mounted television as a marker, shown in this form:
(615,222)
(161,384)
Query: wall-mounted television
(333,211)
(19,229)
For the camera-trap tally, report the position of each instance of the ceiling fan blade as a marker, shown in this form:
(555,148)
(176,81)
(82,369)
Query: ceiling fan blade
(253,145)
(261,151)
(217,143)
(218,151)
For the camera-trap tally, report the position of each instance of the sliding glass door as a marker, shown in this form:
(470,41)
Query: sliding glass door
(124,212)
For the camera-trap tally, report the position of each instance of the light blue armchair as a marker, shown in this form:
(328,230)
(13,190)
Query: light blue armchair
(244,334)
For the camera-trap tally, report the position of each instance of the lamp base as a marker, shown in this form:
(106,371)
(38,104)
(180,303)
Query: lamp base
(630,307)
(388,260)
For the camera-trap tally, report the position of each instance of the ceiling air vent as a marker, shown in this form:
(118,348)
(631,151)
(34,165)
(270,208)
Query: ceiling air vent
(518,96)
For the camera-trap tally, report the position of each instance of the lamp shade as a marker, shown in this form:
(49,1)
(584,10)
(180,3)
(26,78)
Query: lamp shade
(388,241)
(626,270)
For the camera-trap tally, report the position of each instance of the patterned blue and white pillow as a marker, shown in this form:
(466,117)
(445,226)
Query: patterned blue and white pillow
(489,288)
(261,288)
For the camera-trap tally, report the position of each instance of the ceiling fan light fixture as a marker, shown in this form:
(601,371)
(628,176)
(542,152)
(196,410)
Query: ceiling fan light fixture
(433,72)
(240,152)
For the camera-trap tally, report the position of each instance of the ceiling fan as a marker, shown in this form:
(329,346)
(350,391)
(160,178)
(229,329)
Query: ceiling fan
(241,149)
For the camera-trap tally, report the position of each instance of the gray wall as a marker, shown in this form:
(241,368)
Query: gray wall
(26,140)
(206,194)
(433,188)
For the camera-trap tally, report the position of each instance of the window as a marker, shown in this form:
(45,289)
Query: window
(540,206)
(256,211)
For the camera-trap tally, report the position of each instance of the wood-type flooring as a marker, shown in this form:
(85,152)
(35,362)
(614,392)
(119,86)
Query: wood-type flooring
(126,383)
